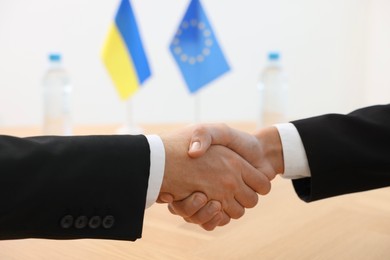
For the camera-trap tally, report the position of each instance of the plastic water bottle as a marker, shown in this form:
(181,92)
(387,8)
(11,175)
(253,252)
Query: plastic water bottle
(273,93)
(57,98)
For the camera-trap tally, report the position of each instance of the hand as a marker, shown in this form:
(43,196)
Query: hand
(196,209)
(220,173)
(263,150)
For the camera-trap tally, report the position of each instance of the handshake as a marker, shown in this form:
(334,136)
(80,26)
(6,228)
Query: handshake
(213,172)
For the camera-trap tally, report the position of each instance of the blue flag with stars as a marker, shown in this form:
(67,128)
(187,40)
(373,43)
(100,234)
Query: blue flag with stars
(196,49)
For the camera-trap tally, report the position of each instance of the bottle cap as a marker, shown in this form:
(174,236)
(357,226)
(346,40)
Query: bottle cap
(274,56)
(55,57)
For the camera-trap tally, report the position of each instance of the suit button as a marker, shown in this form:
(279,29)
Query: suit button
(108,221)
(81,222)
(67,221)
(95,222)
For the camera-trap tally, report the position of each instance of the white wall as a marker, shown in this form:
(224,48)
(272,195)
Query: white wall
(378,62)
(334,52)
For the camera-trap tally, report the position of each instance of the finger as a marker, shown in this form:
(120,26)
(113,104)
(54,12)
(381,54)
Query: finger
(246,197)
(256,180)
(225,219)
(213,223)
(188,206)
(165,198)
(244,194)
(234,209)
(221,219)
(206,213)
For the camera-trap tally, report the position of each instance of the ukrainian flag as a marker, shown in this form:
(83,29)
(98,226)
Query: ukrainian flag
(123,53)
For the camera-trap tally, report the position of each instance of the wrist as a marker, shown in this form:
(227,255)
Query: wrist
(272,147)
(166,182)
(176,159)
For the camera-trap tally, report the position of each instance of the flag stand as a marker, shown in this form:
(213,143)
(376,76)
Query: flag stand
(197,107)
(129,126)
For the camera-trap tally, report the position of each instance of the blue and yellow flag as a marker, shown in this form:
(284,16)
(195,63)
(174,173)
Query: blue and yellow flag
(123,53)
(196,50)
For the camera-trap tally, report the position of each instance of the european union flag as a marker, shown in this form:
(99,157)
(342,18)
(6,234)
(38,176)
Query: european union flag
(196,49)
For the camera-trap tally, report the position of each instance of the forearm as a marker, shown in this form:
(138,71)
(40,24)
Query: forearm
(44,179)
(346,153)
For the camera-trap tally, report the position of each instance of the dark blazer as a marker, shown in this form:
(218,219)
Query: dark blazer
(346,153)
(73,187)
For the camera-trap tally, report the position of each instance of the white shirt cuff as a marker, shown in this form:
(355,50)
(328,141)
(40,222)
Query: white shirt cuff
(296,165)
(157,165)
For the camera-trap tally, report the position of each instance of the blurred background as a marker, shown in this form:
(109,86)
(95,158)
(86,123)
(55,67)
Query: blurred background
(335,54)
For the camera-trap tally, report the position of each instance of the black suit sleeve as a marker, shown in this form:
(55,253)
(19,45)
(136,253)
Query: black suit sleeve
(73,187)
(346,153)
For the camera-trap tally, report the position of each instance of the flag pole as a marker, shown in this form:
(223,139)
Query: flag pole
(129,126)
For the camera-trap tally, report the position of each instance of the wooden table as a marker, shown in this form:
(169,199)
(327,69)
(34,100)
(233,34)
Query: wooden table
(355,226)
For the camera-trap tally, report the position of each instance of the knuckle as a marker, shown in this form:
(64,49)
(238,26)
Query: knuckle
(229,183)
(222,126)
(200,130)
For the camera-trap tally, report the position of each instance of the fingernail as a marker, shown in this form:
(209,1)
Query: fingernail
(215,206)
(198,201)
(195,146)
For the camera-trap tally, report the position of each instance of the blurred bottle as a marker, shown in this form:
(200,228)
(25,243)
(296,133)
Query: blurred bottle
(57,98)
(273,93)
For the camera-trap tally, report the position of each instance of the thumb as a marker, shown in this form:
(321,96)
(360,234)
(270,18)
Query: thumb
(205,135)
(200,142)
